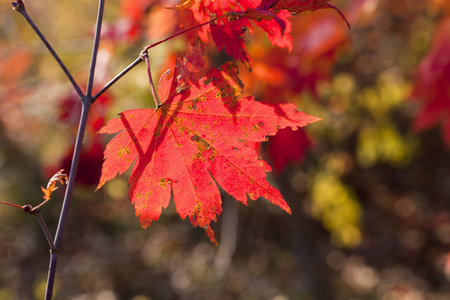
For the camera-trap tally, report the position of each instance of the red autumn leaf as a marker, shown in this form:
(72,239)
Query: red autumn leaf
(432,84)
(278,29)
(193,141)
(230,38)
(296,6)
(288,146)
(189,66)
(278,11)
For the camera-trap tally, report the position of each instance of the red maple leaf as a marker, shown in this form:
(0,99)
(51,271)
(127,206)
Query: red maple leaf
(270,9)
(432,85)
(190,66)
(193,141)
(297,6)
(287,146)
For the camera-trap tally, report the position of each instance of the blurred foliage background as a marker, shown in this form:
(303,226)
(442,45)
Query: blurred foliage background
(369,185)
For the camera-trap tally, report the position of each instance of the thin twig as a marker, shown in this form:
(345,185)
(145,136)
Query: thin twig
(140,59)
(87,100)
(42,203)
(51,275)
(37,213)
(98,29)
(67,199)
(19,6)
(181,32)
(10,204)
(118,76)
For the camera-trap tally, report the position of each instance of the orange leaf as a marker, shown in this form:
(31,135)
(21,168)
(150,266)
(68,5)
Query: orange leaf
(51,185)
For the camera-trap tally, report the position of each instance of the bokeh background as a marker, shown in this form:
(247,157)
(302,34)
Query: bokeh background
(369,185)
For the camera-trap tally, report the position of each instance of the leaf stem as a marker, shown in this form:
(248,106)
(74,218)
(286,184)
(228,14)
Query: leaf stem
(181,32)
(98,29)
(149,72)
(67,198)
(19,6)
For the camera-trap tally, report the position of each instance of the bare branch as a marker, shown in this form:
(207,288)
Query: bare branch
(98,29)
(19,6)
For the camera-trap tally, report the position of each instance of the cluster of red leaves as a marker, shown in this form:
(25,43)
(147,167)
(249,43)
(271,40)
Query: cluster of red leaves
(432,86)
(203,133)
(228,33)
(190,66)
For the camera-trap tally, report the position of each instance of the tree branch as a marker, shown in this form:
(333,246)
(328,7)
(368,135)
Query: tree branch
(19,6)
(67,198)
(10,204)
(182,32)
(141,59)
(37,213)
(118,76)
(98,30)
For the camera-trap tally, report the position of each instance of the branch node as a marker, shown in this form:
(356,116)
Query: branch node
(144,54)
(31,210)
(35,210)
(27,208)
(19,6)
(55,250)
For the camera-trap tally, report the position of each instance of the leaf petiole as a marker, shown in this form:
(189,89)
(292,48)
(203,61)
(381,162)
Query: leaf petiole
(144,55)
(184,31)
